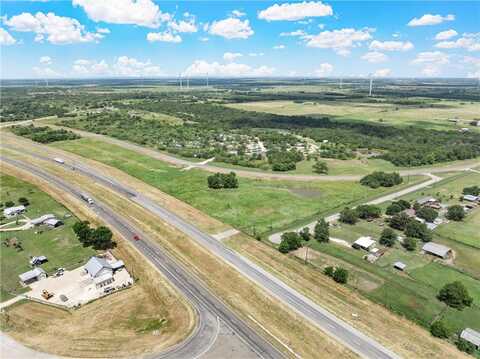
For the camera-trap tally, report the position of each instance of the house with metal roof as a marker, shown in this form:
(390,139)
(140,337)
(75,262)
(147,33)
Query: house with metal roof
(364,243)
(436,249)
(32,276)
(471,198)
(101,271)
(471,336)
(13,211)
(399,265)
(38,221)
(53,222)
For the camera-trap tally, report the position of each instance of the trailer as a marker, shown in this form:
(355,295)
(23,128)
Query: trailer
(59,160)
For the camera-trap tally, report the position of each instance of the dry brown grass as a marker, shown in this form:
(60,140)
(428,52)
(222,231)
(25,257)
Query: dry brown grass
(395,332)
(111,326)
(246,298)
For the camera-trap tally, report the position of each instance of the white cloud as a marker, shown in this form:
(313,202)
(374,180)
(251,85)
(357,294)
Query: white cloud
(238,13)
(183,26)
(279,47)
(375,57)
(57,29)
(339,40)
(45,60)
(91,68)
(295,11)
(136,12)
(325,69)
(382,73)
(475,63)
(294,33)
(230,28)
(230,56)
(131,67)
(445,35)
(103,30)
(164,37)
(429,19)
(432,62)
(470,42)
(202,68)
(391,45)
(256,54)
(204,39)
(45,72)
(5,38)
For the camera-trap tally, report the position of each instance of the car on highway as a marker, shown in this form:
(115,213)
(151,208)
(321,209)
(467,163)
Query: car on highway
(136,237)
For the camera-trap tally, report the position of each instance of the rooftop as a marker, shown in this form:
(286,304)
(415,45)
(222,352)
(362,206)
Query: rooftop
(364,242)
(471,336)
(31,274)
(437,249)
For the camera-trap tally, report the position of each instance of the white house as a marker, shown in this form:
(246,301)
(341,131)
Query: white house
(101,271)
(13,211)
(364,243)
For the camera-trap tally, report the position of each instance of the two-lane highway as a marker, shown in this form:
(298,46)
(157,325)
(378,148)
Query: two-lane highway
(209,308)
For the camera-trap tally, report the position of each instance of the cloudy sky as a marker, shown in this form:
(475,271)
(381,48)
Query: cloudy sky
(147,38)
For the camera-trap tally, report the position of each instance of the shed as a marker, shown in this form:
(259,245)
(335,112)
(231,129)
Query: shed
(32,276)
(471,336)
(53,222)
(13,211)
(436,249)
(41,219)
(471,198)
(399,265)
(363,242)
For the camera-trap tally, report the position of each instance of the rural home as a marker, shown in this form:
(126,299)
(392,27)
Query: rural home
(363,243)
(13,211)
(101,271)
(436,249)
(471,336)
(32,276)
(53,222)
(38,221)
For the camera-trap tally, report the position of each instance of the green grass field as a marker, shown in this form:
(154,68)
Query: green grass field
(435,115)
(59,245)
(261,204)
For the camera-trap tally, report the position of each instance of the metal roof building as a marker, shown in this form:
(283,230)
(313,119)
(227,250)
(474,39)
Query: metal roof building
(436,249)
(399,265)
(41,219)
(32,275)
(364,243)
(471,198)
(12,211)
(471,336)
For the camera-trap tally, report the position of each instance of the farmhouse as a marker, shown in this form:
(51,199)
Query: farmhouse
(32,276)
(13,211)
(471,336)
(363,243)
(436,249)
(101,271)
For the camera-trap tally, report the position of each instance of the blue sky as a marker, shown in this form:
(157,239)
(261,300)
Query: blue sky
(122,38)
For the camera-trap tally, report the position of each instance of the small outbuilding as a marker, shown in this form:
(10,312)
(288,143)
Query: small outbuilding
(471,336)
(13,211)
(363,243)
(40,220)
(471,198)
(436,249)
(400,266)
(32,276)
(53,222)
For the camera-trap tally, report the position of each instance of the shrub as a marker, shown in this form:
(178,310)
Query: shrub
(222,180)
(320,167)
(416,229)
(439,330)
(305,234)
(367,211)
(388,237)
(393,209)
(455,295)
(340,275)
(456,213)
(290,242)
(399,221)
(329,271)
(409,244)
(348,215)
(9,204)
(427,213)
(465,346)
(322,231)
(24,201)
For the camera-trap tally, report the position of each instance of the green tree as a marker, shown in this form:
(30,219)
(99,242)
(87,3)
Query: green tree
(399,221)
(305,234)
(455,295)
(320,167)
(215,181)
(83,232)
(367,211)
(393,209)
(465,346)
(101,238)
(427,213)
(439,330)
(388,237)
(456,213)
(348,215)
(340,275)
(474,190)
(322,231)
(409,243)
(292,239)
(9,204)
(23,201)
(328,271)
(284,247)
(416,229)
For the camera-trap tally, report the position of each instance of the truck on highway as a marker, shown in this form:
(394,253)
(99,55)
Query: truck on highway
(59,160)
(86,198)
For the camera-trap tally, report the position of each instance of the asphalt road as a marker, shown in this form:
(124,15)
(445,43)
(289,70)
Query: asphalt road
(209,308)
(335,327)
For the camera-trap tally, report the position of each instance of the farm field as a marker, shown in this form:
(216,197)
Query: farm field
(257,206)
(59,245)
(434,114)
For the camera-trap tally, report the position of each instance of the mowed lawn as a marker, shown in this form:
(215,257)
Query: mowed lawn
(260,205)
(467,231)
(59,245)
(436,116)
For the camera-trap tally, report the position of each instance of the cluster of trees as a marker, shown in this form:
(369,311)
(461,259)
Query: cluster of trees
(364,211)
(293,240)
(99,238)
(412,229)
(44,134)
(222,180)
(16,107)
(473,190)
(381,179)
(337,151)
(455,295)
(284,160)
(338,274)
(426,213)
(290,242)
(397,207)
(320,167)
